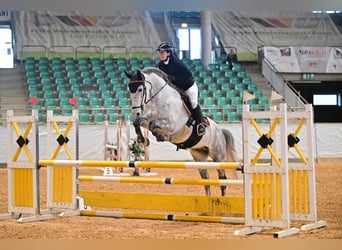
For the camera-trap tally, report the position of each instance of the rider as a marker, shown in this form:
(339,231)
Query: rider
(182,78)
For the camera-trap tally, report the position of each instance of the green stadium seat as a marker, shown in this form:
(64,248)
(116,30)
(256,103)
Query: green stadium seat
(70,67)
(94,102)
(83,118)
(59,81)
(147,62)
(87,81)
(212,87)
(233,117)
(241,74)
(109,103)
(208,102)
(217,94)
(64,101)
(31,80)
(218,116)
(99,117)
(204,94)
(126,112)
(124,103)
(120,94)
(133,60)
(30,60)
(112,118)
(30,67)
(72,74)
(67,111)
(69,60)
(105,94)
(236,100)
(212,66)
(48,95)
(229,74)
(103,88)
(222,101)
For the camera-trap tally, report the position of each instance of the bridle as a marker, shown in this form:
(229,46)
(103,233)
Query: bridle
(144,100)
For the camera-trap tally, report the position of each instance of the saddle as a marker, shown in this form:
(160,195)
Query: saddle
(194,138)
(187,104)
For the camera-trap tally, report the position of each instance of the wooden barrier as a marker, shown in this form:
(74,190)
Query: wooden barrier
(165,202)
(290,193)
(23,177)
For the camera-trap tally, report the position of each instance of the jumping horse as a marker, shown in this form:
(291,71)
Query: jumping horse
(158,106)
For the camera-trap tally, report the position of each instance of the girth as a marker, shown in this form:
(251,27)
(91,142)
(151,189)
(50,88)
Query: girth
(193,139)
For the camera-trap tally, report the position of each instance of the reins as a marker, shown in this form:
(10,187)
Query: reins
(156,92)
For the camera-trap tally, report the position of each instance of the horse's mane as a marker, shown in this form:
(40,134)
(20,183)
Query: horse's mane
(163,75)
(156,71)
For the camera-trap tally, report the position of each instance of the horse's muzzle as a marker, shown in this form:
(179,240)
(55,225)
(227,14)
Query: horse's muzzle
(137,111)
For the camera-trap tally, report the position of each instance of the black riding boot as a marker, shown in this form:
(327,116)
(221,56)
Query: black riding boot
(197,113)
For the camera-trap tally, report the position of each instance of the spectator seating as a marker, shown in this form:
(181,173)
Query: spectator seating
(100,87)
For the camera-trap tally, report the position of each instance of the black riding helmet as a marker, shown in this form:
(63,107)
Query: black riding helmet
(165,47)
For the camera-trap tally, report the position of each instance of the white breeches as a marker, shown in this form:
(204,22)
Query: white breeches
(192,92)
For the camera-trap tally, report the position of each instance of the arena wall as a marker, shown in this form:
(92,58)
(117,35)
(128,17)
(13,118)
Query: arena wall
(92,138)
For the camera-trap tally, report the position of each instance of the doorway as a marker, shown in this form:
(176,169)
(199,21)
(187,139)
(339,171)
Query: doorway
(189,43)
(6,49)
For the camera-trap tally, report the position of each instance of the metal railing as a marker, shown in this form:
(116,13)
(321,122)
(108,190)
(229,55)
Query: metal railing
(38,51)
(281,85)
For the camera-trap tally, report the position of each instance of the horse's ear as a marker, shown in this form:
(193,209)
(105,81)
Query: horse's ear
(140,75)
(129,75)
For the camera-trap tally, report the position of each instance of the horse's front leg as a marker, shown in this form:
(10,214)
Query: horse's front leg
(156,131)
(141,122)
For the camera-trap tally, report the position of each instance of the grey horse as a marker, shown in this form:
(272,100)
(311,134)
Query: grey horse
(158,106)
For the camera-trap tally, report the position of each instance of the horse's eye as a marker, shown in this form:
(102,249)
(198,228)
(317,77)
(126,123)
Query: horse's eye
(140,90)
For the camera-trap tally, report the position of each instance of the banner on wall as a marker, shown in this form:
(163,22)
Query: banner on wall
(305,59)
(124,28)
(248,30)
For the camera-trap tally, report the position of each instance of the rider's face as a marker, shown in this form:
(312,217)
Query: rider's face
(163,55)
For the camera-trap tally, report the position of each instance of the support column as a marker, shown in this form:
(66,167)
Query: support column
(206,37)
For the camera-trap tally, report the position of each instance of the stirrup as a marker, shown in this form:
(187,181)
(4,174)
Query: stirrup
(200,129)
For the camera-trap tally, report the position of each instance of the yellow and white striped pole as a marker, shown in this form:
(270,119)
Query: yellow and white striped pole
(168,181)
(143,164)
(169,217)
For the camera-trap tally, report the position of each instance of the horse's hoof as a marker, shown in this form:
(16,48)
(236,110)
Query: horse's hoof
(147,142)
(161,137)
(141,140)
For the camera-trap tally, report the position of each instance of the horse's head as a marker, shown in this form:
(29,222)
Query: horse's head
(137,91)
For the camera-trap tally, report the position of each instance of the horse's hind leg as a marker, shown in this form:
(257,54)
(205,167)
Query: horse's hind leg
(222,176)
(202,155)
(205,175)
(219,157)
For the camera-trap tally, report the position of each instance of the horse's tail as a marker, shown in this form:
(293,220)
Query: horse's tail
(230,146)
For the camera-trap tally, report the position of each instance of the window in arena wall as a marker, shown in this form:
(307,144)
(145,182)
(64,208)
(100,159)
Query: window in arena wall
(326,100)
